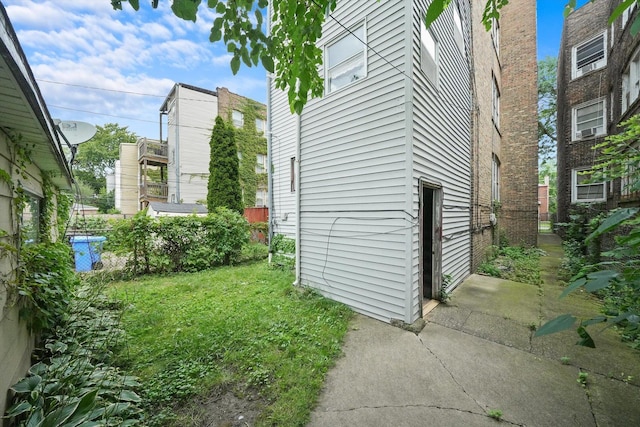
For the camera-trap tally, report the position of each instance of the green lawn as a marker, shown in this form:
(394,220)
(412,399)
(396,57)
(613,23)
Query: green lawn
(244,329)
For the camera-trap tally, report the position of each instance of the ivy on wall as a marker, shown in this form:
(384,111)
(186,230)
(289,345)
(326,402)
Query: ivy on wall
(250,144)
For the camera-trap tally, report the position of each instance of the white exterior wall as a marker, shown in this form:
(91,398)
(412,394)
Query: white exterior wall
(354,220)
(188,135)
(283,143)
(127,180)
(441,140)
(363,149)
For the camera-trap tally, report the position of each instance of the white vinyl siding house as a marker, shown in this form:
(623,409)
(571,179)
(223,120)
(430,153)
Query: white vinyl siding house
(364,151)
(191,117)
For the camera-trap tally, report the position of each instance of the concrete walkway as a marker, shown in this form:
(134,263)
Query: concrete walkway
(477,354)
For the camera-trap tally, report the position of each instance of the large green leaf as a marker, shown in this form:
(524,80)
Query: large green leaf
(58,417)
(85,406)
(560,323)
(129,396)
(612,221)
(27,385)
(585,339)
(185,9)
(599,280)
(19,408)
(575,284)
(618,10)
(435,9)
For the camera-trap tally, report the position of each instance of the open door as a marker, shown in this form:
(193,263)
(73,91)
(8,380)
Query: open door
(430,240)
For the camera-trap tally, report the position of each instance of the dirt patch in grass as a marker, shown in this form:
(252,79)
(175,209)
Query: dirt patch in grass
(226,406)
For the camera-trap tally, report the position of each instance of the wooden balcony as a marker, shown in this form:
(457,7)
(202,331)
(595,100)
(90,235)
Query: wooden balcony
(153,153)
(154,191)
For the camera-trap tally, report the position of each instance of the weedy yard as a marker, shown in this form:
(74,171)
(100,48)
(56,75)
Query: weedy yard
(228,346)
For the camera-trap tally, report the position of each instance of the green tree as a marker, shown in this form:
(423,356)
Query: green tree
(224,183)
(290,51)
(97,157)
(547,107)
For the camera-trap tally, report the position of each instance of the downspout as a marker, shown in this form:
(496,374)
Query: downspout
(177,152)
(298,191)
(270,202)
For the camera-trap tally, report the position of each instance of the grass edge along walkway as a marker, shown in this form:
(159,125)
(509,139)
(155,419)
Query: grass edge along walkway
(243,329)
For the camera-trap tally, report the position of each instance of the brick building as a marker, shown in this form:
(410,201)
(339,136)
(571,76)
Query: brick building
(598,87)
(504,160)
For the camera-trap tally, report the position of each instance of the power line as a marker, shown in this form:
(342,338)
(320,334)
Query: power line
(100,88)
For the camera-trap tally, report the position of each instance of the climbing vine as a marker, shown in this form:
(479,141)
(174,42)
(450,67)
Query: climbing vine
(250,144)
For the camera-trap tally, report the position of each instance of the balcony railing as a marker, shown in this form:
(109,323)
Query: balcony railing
(157,150)
(154,190)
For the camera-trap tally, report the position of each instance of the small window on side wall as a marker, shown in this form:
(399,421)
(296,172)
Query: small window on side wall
(457,30)
(238,118)
(428,54)
(346,60)
(30,221)
(589,119)
(589,56)
(583,191)
(292,173)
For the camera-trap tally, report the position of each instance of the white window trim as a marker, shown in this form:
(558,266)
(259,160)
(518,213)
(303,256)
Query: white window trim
(574,187)
(240,122)
(495,178)
(495,102)
(261,166)
(597,131)
(626,14)
(575,72)
(365,53)
(458,30)
(424,32)
(495,35)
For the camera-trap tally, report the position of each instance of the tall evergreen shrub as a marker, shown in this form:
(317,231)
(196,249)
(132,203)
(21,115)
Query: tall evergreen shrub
(224,184)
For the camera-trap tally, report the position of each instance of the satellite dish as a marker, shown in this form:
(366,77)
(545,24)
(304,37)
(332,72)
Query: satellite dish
(76,132)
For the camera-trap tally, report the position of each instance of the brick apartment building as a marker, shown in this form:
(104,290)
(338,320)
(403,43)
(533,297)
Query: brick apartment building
(504,160)
(598,87)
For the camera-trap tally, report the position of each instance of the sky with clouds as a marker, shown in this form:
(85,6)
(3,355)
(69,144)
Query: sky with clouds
(98,65)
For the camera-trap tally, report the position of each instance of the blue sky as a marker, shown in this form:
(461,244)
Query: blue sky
(100,66)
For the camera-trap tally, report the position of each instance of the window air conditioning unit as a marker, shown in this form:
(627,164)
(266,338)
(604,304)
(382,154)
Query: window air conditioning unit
(586,133)
(587,68)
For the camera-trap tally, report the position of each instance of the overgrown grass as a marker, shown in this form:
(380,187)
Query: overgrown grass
(514,263)
(244,329)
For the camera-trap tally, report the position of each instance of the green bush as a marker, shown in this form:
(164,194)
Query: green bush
(173,244)
(45,281)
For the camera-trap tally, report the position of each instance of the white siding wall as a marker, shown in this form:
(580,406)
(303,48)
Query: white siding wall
(283,143)
(354,224)
(190,135)
(441,140)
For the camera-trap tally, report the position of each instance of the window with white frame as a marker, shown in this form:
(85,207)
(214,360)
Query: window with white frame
(428,54)
(495,178)
(238,118)
(631,82)
(30,221)
(457,29)
(346,59)
(261,163)
(590,55)
(584,191)
(589,120)
(630,184)
(612,34)
(261,197)
(626,14)
(495,102)
(260,125)
(495,35)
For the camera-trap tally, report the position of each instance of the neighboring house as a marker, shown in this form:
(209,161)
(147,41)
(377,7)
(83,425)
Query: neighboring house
(504,146)
(379,181)
(190,115)
(157,209)
(126,192)
(543,200)
(24,113)
(598,88)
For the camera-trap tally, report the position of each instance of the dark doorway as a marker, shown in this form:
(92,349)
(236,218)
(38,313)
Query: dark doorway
(427,242)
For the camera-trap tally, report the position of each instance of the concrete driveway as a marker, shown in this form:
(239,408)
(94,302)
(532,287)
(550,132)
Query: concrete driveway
(477,356)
